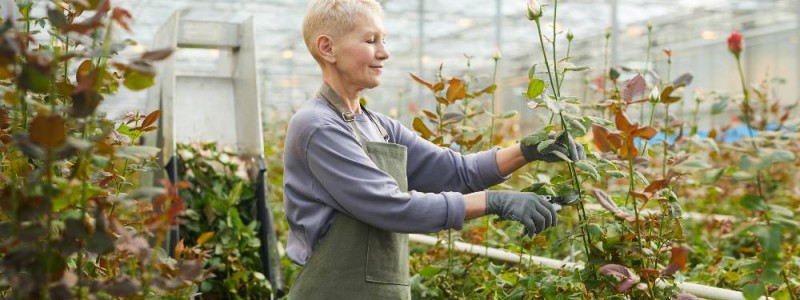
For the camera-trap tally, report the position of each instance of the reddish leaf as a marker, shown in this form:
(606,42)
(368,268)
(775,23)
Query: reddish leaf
(157,55)
(190,270)
(625,277)
(422,81)
(105,181)
(685,296)
(85,72)
(151,118)
(204,238)
(605,201)
(179,248)
(183,184)
(122,16)
(420,127)
(623,124)
(438,87)
(678,260)
(666,95)
(646,133)
(641,196)
(635,86)
(92,23)
(49,132)
(430,114)
(456,90)
(650,274)
(600,138)
(5,120)
(656,185)
(628,149)
(784,117)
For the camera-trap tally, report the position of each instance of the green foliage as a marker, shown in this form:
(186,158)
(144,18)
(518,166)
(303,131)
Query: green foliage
(221,220)
(74,223)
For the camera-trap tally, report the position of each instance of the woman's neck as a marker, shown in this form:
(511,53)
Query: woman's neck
(348,98)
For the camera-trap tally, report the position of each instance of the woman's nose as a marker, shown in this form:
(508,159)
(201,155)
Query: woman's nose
(383,52)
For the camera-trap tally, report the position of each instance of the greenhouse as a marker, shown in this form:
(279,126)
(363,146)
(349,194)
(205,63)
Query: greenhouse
(386,149)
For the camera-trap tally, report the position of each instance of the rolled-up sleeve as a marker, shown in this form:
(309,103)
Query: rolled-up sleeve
(358,188)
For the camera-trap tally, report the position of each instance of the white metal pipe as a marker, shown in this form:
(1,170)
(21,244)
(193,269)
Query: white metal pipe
(686,215)
(703,291)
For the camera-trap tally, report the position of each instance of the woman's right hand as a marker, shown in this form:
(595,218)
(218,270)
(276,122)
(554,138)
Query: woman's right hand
(534,211)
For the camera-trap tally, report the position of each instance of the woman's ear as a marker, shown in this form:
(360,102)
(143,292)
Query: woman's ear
(325,48)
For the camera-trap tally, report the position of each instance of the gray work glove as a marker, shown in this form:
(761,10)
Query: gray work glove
(563,144)
(532,210)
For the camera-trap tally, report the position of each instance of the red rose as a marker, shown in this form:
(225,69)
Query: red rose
(735,43)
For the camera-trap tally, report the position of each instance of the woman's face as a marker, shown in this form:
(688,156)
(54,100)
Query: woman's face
(360,54)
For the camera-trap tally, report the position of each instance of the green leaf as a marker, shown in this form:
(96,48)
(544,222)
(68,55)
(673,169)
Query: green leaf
(34,80)
(576,129)
(535,88)
(544,144)
(719,106)
(552,105)
(692,165)
(753,291)
(746,163)
(138,152)
(508,114)
(561,156)
(683,80)
(589,168)
(532,72)
(771,238)
(535,139)
(24,3)
(616,174)
(428,272)
(235,194)
(57,18)
(753,202)
(137,81)
(781,156)
(577,68)
(712,176)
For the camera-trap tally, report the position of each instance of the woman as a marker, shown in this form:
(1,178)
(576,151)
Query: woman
(356,182)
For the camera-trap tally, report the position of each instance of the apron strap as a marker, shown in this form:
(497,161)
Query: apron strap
(327,93)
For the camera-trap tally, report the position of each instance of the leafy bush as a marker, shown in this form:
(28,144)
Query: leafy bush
(73,222)
(221,219)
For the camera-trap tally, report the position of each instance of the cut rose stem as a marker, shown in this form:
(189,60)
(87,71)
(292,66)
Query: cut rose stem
(575,180)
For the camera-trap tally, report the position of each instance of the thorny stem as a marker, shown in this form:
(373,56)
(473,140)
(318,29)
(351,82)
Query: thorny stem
(636,211)
(48,196)
(491,144)
(748,120)
(666,140)
(646,66)
(653,104)
(564,73)
(555,58)
(605,66)
(575,180)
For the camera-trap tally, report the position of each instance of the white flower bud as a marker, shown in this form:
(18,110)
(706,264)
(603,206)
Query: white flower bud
(534,10)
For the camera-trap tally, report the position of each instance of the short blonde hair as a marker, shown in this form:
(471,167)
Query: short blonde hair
(333,18)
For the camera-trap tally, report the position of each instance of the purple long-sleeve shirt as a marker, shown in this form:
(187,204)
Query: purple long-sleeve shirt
(327,172)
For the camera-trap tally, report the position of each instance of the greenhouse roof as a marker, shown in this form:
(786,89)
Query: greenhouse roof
(451,30)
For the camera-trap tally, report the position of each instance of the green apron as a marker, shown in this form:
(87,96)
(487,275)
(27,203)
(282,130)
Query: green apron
(355,260)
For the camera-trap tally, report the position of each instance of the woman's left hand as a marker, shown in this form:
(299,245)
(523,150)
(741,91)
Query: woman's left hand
(563,144)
